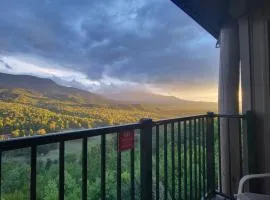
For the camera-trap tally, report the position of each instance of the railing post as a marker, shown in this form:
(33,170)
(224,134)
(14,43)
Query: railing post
(146,158)
(210,156)
(251,126)
(250,141)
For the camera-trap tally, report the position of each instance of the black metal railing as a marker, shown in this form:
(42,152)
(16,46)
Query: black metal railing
(185,160)
(236,122)
(187,157)
(182,158)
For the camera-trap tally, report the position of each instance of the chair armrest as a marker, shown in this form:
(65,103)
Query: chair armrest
(248,177)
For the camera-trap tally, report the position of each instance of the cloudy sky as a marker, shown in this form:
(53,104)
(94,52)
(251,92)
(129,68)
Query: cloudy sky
(105,46)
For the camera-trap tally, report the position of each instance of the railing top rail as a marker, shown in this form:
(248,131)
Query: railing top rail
(179,119)
(243,116)
(17,143)
(24,142)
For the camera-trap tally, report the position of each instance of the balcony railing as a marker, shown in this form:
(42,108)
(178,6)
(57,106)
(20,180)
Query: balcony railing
(172,159)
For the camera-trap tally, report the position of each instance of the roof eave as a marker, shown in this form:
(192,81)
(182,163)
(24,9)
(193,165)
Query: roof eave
(214,31)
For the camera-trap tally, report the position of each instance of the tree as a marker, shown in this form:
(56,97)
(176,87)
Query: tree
(31,132)
(42,131)
(1,124)
(52,126)
(51,191)
(15,133)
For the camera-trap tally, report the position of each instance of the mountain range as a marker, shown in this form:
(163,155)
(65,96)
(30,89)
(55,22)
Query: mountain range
(144,97)
(46,88)
(38,89)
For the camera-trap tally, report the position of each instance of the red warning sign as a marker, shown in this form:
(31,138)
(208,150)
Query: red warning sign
(126,140)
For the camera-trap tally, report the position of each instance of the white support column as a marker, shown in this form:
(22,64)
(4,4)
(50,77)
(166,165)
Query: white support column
(229,104)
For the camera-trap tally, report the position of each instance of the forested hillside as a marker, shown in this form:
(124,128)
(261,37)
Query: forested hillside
(31,105)
(28,108)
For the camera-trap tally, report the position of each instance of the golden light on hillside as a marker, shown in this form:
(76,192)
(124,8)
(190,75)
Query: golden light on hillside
(207,93)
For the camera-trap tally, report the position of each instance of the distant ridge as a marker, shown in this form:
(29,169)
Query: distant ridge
(48,88)
(143,97)
(40,91)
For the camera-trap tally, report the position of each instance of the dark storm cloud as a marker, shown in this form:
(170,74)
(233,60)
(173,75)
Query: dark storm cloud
(145,41)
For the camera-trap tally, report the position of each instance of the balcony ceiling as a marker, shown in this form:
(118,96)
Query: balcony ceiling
(210,14)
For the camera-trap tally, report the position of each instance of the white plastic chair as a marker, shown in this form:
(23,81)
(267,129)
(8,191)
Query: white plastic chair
(251,196)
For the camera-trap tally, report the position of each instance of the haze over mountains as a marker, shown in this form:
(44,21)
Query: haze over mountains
(31,105)
(144,97)
(52,90)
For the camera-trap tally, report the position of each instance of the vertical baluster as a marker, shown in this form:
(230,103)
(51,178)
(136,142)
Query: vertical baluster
(173,160)
(210,154)
(132,175)
(0,174)
(157,162)
(200,156)
(119,197)
(62,170)
(165,163)
(195,158)
(103,167)
(204,156)
(33,172)
(179,162)
(229,147)
(241,146)
(84,168)
(185,159)
(190,161)
(219,156)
